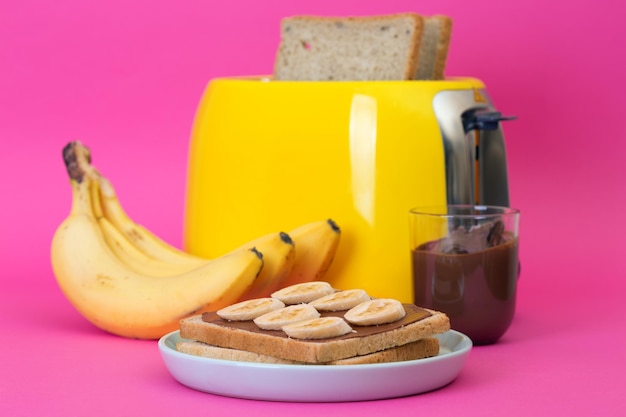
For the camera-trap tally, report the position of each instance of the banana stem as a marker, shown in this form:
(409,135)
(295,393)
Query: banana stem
(77,160)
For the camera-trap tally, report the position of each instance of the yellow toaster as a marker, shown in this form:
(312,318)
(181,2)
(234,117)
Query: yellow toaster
(268,156)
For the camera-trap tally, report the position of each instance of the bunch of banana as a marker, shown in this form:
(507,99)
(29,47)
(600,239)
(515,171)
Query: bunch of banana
(127,281)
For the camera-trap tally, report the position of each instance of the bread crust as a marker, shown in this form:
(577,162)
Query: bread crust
(311,351)
(443,45)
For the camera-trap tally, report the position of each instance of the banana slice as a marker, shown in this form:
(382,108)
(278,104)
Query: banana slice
(319,328)
(275,320)
(378,311)
(304,292)
(250,309)
(341,300)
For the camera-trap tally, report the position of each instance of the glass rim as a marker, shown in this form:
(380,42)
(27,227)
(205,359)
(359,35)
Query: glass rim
(481,210)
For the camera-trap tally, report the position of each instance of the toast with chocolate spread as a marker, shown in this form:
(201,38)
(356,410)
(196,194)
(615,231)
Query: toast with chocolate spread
(318,325)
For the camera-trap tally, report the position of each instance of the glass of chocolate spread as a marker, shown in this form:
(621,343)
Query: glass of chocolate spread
(465,263)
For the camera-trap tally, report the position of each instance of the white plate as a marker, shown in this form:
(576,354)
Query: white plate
(317,383)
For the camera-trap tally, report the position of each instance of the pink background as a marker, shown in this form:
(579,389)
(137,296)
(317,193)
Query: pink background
(125,78)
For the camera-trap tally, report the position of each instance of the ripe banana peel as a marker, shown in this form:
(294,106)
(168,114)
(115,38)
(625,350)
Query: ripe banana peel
(127,281)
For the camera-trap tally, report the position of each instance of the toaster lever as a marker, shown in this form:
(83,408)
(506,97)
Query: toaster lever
(487,175)
(483,119)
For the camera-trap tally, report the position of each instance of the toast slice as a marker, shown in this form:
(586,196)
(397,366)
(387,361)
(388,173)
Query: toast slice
(434,47)
(419,349)
(315,48)
(417,324)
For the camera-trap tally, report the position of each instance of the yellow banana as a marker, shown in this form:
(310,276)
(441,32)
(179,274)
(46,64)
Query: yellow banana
(127,252)
(119,300)
(279,256)
(140,236)
(134,249)
(316,244)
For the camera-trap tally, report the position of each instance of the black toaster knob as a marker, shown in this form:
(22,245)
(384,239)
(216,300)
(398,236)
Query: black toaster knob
(483,119)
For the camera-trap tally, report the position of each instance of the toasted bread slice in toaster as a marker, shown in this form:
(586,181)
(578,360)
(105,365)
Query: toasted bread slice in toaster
(404,46)
(316,48)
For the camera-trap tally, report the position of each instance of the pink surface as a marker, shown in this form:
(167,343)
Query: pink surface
(125,78)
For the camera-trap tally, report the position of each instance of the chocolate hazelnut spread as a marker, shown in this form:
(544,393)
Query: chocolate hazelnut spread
(476,289)
(413,315)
